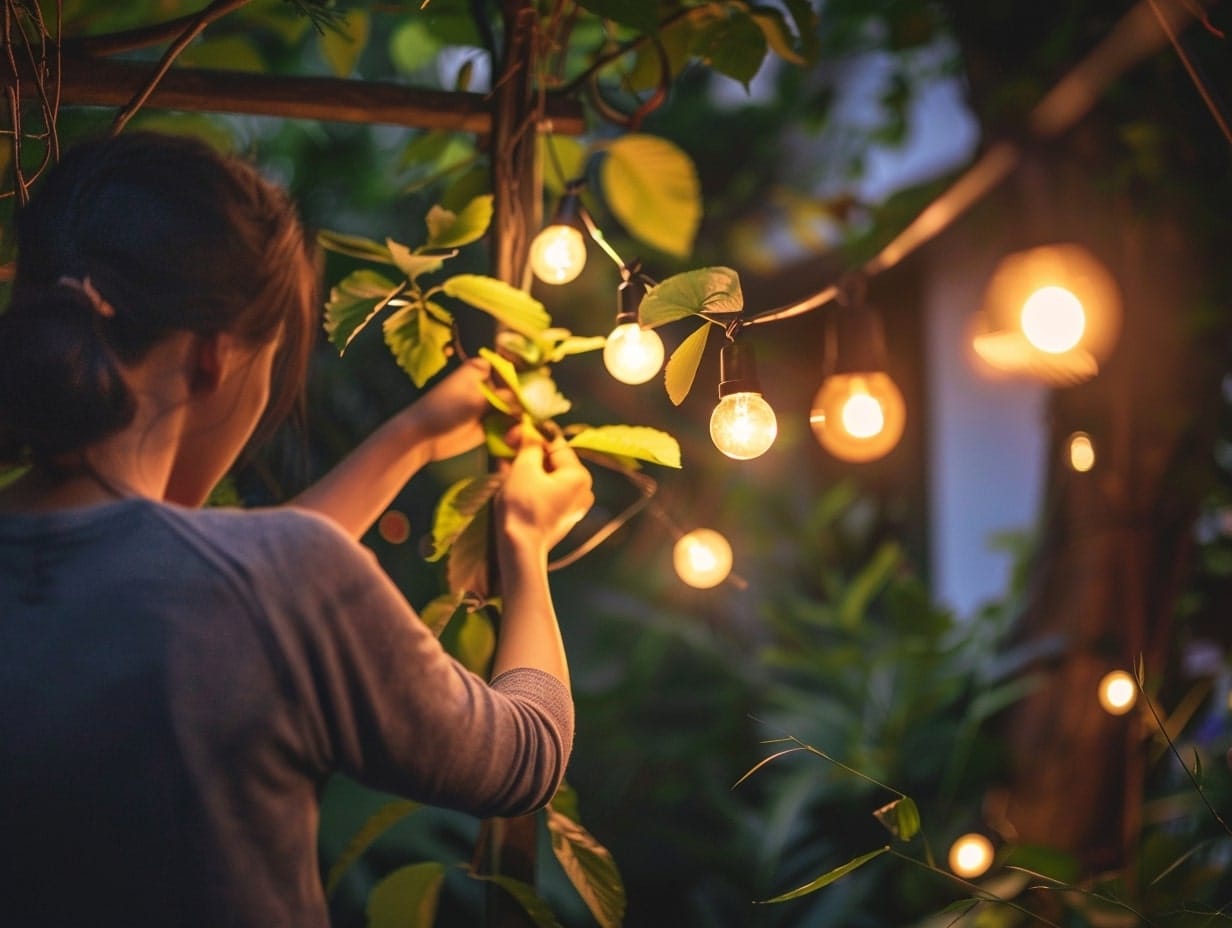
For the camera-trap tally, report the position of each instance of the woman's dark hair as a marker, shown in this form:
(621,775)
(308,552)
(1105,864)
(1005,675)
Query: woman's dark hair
(127,240)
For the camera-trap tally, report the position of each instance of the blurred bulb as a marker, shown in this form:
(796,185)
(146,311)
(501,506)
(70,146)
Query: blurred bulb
(743,425)
(1081,452)
(1053,319)
(1117,692)
(858,417)
(633,354)
(702,558)
(971,855)
(558,254)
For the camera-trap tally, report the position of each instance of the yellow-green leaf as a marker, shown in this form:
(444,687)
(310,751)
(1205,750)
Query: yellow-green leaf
(457,509)
(410,263)
(353,303)
(682,366)
(901,818)
(651,186)
(233,52)
(526,897)
(440,612)
(343,45)
(354,245)
(563,159)
(408,897)
(590,869)
(419,342)
(630,441)
(705,289)
(540,397)
(468,572)
(508,305)
(507,373)
(827,878)
(447,229)
(476,642)
(774,27)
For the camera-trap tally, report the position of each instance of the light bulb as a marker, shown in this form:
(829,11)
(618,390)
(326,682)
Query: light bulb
(633,354)
(1081,452)
(702,558)
(558,254)
(971,855)
(858,417)
(1117,692)
(743,425)
(1053,319)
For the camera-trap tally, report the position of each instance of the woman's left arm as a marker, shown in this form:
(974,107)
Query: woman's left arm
(443,422)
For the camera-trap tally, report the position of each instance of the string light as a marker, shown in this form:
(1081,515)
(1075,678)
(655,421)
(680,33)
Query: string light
(1053,319)
(632,354)
(1081,452)
(971,855)
(858,413)
(1117,692)
(702,558)
(743,425)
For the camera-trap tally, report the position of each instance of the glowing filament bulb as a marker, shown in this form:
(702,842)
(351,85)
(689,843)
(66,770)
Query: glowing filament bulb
(558,254)
(1053,320)
(702,558)
(633,354)
(1081,452)
(743,425)
(862,415)
(1117,692)
(971,855)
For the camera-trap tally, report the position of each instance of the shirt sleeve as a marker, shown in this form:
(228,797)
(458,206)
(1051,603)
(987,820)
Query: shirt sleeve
(384,703)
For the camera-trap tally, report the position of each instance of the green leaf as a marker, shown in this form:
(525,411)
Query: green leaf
(805,17)
(675,41)
(827,878)
(476,642)
(641,15)
(413,45)
(419,342)
(353,302)
(868,583)
(562,159)
(631,441)
(354,245)
(377,824)
(343,45)
(412,264)
(705,289)
(438,613)
(575,344)
(900,817)
(733,45)
(447,229)
(457,508)
(408,897)
(590,869)
(233,52)
(526,897)
(506,372)
(682,366)
(651,186)
(508,305)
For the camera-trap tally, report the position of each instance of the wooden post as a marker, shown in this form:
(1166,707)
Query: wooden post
(511,842)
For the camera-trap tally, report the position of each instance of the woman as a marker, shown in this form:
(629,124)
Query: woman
(177,684)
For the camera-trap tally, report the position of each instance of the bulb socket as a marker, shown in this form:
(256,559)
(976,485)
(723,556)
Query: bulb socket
(737,370)
(629,293)
(569,211)
(855,341)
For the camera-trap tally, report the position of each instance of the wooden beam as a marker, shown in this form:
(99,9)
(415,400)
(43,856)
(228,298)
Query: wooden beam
(106,82)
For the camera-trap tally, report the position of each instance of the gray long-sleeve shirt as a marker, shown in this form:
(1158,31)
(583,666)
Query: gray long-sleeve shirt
(175,688)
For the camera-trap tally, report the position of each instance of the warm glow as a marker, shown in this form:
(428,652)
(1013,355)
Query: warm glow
(633,354)
(1053,319)
(858,417)
(971,855)
(702,558)
(743,426)
(1117,692)
(558,254)
(1081,452)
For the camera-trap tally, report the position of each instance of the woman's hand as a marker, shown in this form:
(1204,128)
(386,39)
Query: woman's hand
(546,492)
(449,416)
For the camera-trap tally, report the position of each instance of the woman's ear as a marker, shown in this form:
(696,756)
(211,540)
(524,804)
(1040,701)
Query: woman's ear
(208,357)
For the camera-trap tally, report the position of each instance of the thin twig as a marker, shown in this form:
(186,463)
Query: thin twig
(214,11)
(1203,88)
